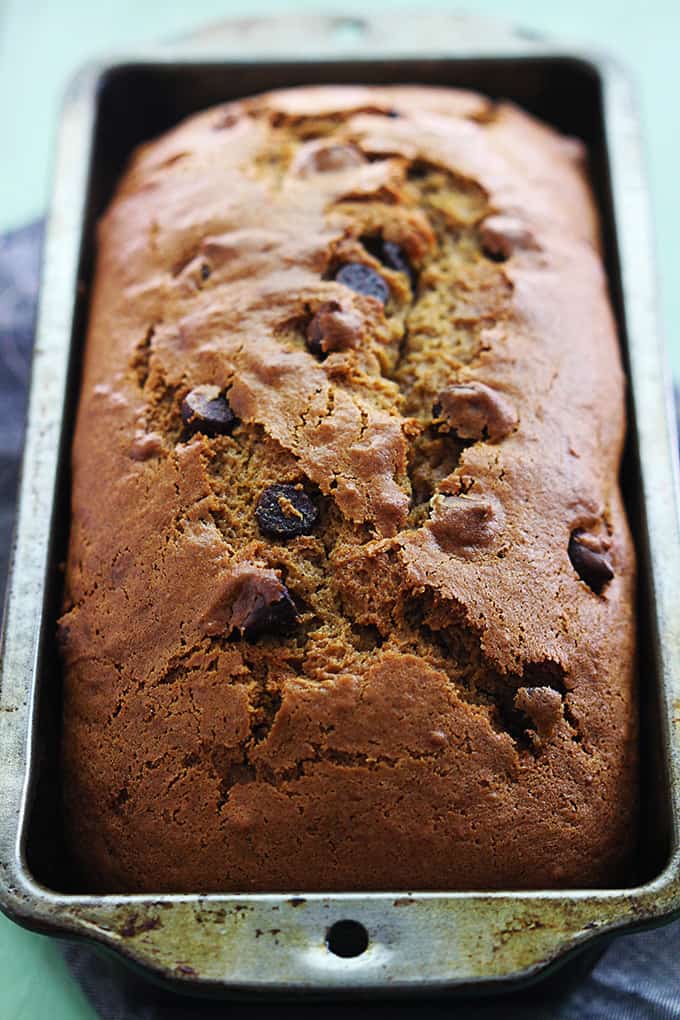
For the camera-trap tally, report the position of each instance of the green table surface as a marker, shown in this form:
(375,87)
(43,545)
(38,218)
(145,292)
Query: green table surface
(42,42)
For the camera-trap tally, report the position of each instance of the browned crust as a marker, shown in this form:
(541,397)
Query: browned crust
(455,708)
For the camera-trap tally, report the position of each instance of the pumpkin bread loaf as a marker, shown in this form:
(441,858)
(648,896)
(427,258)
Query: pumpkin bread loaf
(350,585)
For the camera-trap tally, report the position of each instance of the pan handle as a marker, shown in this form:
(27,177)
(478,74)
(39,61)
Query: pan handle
(347,944)
(327,37)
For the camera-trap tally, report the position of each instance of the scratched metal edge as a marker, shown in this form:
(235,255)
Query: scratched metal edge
(501,936)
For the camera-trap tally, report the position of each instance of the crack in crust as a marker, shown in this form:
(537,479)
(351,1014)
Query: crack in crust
(430,352)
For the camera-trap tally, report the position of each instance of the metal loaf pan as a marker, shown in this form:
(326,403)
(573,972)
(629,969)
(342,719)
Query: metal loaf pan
(278,944)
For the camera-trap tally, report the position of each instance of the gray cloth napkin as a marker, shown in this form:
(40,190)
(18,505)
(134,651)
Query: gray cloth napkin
(637,978)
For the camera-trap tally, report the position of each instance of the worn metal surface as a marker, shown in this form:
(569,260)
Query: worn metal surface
(275,944)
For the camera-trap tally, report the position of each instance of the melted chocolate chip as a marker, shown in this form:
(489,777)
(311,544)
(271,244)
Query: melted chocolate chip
(284,511)
(390,254)
(314,336)
(395,258)
(591,564)
(206,410)
(474,411)
(333,329)
(363,280)
(277,617)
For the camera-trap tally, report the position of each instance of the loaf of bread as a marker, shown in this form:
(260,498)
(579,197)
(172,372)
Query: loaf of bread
(350,586)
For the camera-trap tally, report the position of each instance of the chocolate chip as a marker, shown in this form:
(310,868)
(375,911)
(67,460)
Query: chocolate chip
(284,511)
(392,113)
(273,617)
(589,560)
(543,707)
(395,258)
(333,328)
(206,410)
(314,336)
(205,271)
(501,236)
(390,254)
(465,521)
(363,280)
(321,158)
(474,411)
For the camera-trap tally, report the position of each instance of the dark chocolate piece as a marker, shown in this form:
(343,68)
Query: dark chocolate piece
(284,511)
(590,561)
(272,618)
(314,336)
(363,280)
(395,257)
(390,254)
(206,410)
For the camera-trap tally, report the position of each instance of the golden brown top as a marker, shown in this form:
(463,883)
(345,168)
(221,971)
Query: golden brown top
(350,425)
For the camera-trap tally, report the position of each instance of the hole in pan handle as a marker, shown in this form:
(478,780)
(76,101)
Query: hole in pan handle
(347,939)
